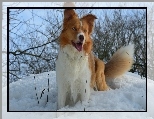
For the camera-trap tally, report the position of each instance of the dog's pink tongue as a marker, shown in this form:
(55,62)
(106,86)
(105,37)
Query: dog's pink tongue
(78,46)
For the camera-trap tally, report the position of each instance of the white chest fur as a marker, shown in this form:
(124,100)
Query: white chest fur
(73,76)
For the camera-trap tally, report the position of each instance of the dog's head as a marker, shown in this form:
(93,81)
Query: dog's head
(76,31)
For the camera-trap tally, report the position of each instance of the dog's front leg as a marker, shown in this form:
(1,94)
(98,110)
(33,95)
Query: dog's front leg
(85,91)
(61,96)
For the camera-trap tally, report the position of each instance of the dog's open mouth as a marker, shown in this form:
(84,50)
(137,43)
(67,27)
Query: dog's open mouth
(78,45)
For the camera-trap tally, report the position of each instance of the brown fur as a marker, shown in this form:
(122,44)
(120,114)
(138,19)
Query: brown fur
(87,28)
(67,32)
(100,76)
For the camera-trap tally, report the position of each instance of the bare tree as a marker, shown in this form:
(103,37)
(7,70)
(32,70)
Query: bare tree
(33,48)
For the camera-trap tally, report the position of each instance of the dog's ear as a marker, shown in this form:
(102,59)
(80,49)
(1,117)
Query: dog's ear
(69,13)
(90,21)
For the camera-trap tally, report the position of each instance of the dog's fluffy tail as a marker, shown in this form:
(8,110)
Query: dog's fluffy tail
(120,62)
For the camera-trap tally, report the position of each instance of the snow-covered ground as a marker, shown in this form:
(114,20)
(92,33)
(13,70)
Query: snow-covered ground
(129,95)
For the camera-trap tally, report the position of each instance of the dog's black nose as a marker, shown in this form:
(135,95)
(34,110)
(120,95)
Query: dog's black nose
(81,38)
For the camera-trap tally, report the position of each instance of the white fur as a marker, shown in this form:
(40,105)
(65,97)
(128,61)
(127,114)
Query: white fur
(72,71)
(127,52)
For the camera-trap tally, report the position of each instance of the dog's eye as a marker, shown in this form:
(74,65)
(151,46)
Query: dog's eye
(74,29)
(85,31)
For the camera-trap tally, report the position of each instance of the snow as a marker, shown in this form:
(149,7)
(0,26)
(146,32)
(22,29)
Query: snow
(23,94)
(129,95)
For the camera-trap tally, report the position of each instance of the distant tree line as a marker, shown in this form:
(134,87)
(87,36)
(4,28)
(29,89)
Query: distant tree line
(33,47)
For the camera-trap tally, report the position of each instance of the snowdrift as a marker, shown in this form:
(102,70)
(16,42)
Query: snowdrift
(39,93)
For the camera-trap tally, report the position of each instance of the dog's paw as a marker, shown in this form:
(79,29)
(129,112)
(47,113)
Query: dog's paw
(105,88)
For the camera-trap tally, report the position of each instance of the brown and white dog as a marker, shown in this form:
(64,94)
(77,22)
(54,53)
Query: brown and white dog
(77,69)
